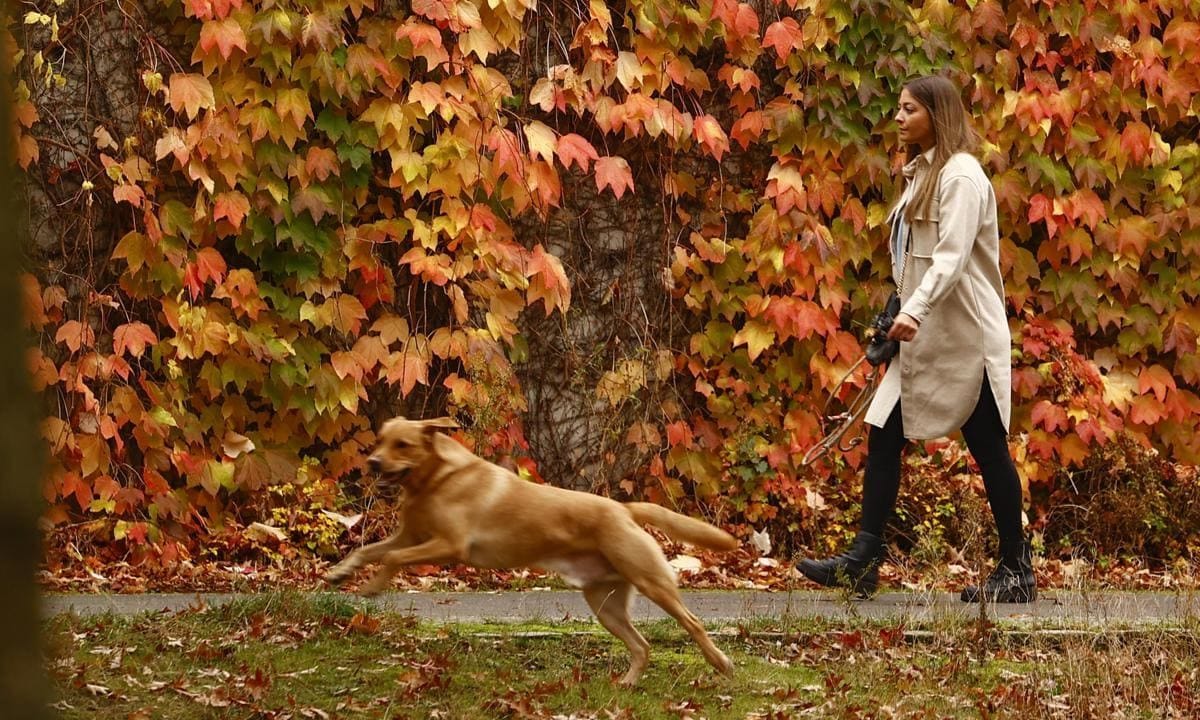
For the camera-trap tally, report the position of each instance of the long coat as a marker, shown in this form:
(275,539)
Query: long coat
(954,289)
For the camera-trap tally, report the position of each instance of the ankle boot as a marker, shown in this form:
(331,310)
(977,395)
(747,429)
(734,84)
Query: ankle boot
(857,568)
(1012,581)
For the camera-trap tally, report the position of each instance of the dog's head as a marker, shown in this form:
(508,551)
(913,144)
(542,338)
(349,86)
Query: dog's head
(403,445)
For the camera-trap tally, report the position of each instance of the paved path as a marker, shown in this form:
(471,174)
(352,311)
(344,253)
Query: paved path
(1053,609)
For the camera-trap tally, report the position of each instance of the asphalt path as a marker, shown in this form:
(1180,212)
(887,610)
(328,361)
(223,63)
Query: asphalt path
(1054,608)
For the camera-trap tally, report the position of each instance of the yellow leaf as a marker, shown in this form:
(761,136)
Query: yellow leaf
(541,139)
(629,70)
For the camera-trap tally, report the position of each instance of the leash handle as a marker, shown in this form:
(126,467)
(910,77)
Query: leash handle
(857,409)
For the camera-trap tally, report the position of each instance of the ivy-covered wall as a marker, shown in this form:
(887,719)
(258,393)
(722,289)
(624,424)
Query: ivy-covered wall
(631,246)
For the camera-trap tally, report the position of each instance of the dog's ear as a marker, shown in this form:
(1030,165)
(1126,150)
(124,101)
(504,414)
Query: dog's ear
(439,423)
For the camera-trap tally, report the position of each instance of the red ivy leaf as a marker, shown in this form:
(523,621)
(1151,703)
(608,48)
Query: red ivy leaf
(784,35)
(614,172)
(573,148)
(224,34)
(210,265)
(132,338)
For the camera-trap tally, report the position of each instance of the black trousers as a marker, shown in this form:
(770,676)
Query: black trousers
(988,443)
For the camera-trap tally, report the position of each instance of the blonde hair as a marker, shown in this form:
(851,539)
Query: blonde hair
(952,133)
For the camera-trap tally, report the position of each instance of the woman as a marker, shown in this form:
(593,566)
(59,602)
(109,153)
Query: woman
(953,368)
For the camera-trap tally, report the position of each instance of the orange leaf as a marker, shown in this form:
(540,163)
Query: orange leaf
(348,314)
(407,368)
(745,22)
(224,34)
(613,172)
(210,265)
(547,281)
(574,148)
(710,134)
(232,206)
(1157,379)
(191,93)
(1050,416)
(785,36)
(748,128)
(129,193)
(27,151)
(75,334)
(133,338)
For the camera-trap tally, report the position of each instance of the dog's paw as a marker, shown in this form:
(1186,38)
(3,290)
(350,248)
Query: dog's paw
(336,577)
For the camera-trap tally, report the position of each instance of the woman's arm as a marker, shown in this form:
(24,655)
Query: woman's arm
(958,225)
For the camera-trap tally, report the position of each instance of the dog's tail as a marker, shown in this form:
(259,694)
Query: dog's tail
(682,528)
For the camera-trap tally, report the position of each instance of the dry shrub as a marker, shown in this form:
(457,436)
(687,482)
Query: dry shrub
(1129,502)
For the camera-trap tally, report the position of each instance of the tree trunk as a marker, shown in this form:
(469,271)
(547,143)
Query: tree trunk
(22,675)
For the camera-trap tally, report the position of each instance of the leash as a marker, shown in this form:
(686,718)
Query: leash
(853,413)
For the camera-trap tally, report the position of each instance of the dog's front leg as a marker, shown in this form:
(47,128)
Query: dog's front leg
(436,551)
(366,555)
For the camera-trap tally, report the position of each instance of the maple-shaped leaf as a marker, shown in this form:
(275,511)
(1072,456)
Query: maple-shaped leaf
(544,182)
(629,70)
(1136,141)
(745,22)
(294,103)
(710,134)
(541,140)
(26,113)
(480,42)
(348,314)
(130,193)
(436,10)
(391,329)
(748,128)
(1133,235)
(407,368)
(756,336)
(1156,379)
(132,338)
(27,151)
(1049,415)
(191,93)
(1183,35)
(75,335)
(348,364)
(210,265)
(231,206)
(613,172)
(786,185)
(321,163)
(784,35)
(548,281)
(224,34)
(574,148)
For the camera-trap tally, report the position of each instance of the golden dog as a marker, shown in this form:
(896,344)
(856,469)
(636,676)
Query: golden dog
(459,508)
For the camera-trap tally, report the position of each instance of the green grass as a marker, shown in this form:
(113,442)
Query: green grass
(291,656)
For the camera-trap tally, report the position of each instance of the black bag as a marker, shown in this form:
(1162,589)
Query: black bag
(879,348)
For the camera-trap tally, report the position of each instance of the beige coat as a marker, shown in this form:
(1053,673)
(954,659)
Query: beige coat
(953,288)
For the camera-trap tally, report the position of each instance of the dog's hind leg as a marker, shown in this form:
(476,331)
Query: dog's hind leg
(639,559)
(610,601)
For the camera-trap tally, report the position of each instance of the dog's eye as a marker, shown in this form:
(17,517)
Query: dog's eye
(397,444)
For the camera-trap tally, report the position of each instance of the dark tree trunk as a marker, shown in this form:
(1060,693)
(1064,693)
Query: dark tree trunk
(22,678)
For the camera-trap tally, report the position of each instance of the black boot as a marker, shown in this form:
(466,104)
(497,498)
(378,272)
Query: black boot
(857,569)
(1012,581)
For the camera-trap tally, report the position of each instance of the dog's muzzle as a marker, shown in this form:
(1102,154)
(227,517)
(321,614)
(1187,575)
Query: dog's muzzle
(388,483)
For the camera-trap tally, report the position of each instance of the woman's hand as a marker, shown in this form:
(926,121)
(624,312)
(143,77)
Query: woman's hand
(904,328)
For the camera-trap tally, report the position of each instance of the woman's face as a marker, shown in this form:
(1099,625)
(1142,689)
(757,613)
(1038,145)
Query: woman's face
(916,126)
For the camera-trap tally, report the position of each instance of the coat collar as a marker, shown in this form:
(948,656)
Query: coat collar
(925,159)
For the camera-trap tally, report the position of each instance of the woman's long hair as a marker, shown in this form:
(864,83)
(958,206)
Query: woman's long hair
(952,133)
